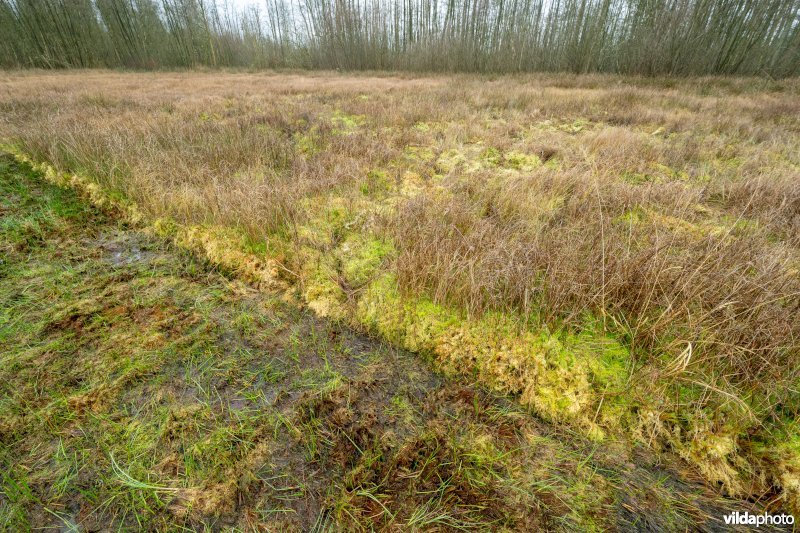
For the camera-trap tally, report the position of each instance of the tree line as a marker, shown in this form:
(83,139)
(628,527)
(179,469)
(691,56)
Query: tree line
(648,37)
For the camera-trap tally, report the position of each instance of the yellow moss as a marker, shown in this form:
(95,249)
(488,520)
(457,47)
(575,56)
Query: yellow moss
(713,453)
(419,153)
(521,161)
(576,126)
(787,454)
(667,172)
(577,379)
(632,216)
(347,123)
(217,245)
(557,380)
(165,227)
(412,184)
(680,225)
(305,143)
(449,160)
(325,216)
(322,292)
(560,382)
(711,226)
(470,157)
(361,257)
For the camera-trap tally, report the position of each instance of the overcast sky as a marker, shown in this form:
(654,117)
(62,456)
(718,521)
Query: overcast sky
(239,4)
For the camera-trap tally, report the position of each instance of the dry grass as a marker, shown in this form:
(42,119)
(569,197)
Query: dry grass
(667,212)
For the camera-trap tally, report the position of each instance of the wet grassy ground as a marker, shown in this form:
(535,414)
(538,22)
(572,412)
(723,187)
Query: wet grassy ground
(141,388)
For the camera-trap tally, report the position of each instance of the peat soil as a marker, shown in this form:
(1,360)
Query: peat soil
(142,388)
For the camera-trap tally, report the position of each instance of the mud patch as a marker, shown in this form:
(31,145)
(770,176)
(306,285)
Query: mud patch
(122,248)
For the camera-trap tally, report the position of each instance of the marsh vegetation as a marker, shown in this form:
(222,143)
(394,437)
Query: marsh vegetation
(620,255)
(142,388)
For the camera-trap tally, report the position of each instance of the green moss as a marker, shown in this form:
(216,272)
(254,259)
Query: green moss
(377,181)
(631,217)
(346,123)
(635,178)
(576,126)
(561,379)
(361,257)
(415,324)
(165,227)
(322,291)
(381,309)
(553,163)
(307,143)
(325,218)
(426,323)
(449,160)
(254,246)
(609,361)
(492,156)
(742,226)
(419,153)
(667,172)
(580,378)
(521,161)
(209,117)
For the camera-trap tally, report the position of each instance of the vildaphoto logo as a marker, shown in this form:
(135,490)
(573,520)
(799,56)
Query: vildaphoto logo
(748,519)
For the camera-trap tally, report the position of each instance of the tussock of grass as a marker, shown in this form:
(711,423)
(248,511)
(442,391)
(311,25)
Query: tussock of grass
(621,257)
